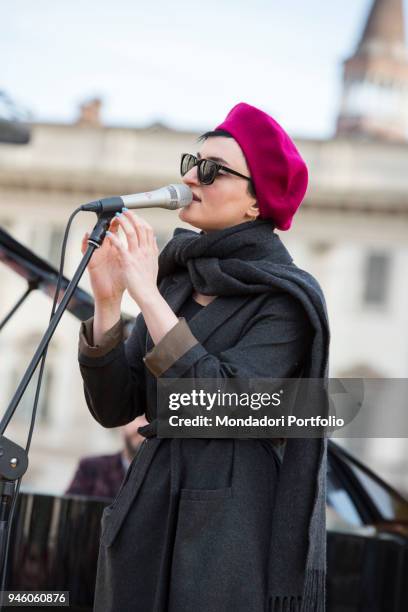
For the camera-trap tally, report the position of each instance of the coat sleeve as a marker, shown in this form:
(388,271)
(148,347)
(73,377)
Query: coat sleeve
(113,372)
(273,344)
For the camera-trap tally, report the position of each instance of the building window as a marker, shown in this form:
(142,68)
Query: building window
(56,237)
(377,272)
(25,407)
(22,353)
(46,242)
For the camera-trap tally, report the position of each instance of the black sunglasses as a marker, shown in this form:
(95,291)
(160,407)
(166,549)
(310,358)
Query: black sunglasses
(207,169)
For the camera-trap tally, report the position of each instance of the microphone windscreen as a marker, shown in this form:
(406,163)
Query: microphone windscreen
(184,194)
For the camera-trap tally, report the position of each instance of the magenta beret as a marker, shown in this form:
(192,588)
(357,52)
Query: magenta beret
(278,172)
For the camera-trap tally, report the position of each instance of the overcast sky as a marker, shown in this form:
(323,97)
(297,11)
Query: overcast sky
(182,63)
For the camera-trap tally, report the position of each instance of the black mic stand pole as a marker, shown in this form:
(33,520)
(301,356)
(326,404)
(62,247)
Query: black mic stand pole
(13,458)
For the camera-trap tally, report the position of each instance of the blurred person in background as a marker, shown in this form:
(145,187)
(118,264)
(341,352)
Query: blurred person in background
(102,475)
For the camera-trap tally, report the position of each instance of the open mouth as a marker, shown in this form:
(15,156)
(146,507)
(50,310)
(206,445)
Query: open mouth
(196,198)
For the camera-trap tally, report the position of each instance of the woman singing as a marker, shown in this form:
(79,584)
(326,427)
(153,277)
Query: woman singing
(211,524)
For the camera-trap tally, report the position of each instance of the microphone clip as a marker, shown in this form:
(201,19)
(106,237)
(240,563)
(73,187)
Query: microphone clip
(100,228)
(112,205)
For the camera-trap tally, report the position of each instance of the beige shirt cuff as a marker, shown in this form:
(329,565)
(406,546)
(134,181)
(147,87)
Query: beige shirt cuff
(110,339)
(170,348)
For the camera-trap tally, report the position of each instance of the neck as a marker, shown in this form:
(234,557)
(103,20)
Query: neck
(216,229)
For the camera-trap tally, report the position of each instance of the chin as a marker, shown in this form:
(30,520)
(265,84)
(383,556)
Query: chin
(199,221)
(188,216)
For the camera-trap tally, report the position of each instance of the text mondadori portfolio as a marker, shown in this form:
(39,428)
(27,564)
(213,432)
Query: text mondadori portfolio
(250,421)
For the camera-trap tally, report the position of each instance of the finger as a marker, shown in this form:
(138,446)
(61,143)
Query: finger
(143,229)
(139,225)
(129,230)
(114,225)
(116,243)
(84,243)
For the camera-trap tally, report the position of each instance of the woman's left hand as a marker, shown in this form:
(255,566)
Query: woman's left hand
(139,257)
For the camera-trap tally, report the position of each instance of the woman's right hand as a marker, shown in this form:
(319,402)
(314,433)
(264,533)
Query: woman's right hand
(105,272)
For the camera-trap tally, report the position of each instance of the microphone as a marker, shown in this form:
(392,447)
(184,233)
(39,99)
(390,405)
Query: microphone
(170,197)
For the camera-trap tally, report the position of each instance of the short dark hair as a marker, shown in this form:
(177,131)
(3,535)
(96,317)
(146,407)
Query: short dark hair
(225,134)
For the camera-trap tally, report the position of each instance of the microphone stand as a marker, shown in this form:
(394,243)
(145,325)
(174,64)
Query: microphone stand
(14,458)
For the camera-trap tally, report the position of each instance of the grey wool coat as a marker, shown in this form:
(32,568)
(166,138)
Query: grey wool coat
(190,528)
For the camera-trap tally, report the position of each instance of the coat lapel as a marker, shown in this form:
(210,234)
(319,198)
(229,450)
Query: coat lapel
(207,320)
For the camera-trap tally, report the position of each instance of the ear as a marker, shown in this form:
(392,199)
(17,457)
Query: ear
(253,211)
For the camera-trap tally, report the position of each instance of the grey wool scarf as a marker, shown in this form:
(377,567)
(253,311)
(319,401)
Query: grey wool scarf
(249,258)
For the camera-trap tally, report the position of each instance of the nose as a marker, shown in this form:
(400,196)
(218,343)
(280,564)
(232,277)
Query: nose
(191,177)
